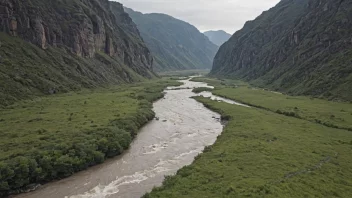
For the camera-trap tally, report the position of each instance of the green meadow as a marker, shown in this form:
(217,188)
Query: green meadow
(183,73)
(329,113)
(52,137)
(264,152)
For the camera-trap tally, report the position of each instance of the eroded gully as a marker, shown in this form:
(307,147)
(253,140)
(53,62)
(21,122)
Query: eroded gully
(162,147)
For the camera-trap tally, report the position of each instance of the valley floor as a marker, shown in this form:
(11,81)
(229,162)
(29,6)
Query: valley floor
(183,73)
(283,146)
(52,137)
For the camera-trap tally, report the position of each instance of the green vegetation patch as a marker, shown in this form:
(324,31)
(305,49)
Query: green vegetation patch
(264,154)
(52,137)
(331,114)
(183,73)
(27,71)
(220,82)
(328,113)
(201,89)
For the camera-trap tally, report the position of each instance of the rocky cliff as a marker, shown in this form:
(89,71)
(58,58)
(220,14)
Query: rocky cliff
(175,44)
(298,47)
(217,37)
(77,43)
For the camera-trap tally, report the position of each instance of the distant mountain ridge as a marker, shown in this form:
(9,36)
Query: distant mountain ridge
(175,44)
(301,47)
(218,37)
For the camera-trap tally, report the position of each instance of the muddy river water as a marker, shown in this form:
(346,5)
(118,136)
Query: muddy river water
(162,147)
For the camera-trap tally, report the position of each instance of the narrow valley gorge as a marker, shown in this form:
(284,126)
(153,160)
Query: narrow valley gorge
(154,99)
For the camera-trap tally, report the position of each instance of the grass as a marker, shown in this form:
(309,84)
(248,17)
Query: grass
(220,82)
(332,114)
(282,147)
(264,154)
(201,89)
(52,137)
(183,73)
(328,113)
(27,71)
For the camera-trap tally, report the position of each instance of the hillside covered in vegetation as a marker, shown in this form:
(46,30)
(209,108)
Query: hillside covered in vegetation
(299,47)
(52,47)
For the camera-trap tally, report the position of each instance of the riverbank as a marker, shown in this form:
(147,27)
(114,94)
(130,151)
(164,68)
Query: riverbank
(328,113)
(53,137)
(184,73)
(262,153)
(182,129)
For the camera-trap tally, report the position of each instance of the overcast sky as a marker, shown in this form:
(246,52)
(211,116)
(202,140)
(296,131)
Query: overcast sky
(228,15)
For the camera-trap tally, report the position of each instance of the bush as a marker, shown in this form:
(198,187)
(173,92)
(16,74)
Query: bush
(207,149)
(58,154)
(201,89)
(289,114)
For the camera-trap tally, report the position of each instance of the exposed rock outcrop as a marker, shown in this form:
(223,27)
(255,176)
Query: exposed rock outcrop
(87,29)
(84,27)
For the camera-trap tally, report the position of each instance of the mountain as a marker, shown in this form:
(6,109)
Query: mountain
(175,44)
(218,37)
(301,47)
(52,46)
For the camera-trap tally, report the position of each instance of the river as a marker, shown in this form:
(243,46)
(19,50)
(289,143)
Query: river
(162,147)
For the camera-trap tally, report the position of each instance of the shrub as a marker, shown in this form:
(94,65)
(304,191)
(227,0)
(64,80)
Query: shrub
(201,89)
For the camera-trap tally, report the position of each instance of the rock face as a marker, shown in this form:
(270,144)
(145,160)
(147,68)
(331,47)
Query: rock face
(83,26)
(217,37)
(85,30)
(299,47)
(175,44)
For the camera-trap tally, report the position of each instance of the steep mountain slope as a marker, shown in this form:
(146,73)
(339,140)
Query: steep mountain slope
(299,47)
(56,46)
(175,44)
(218,37)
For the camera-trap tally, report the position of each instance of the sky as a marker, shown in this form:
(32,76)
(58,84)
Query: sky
(227,15)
